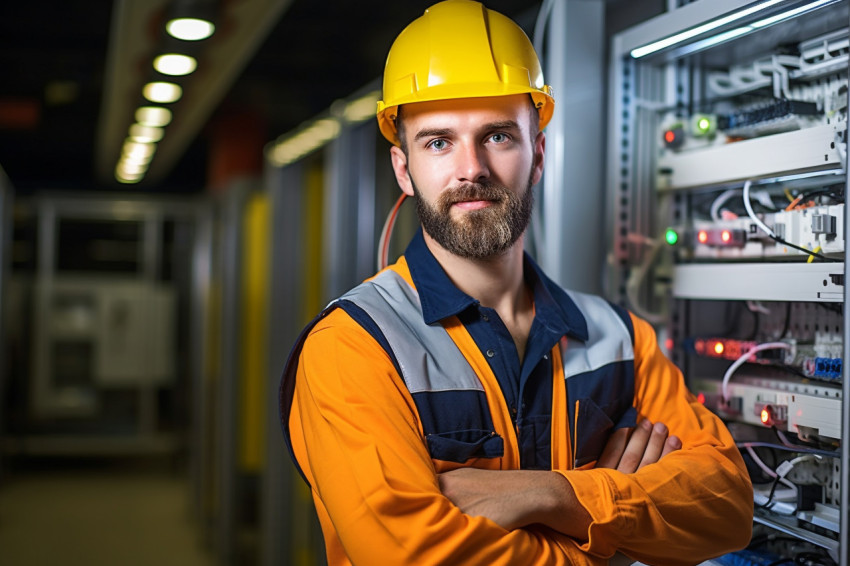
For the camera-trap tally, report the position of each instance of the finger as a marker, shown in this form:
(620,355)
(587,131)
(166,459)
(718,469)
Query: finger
(655,445)
(614,449)
(635,448)
(672,444)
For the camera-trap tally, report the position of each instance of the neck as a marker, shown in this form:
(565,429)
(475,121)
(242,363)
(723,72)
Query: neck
(497,282)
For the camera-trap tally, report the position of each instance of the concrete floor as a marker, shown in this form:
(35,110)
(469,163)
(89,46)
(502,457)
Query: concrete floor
(95,515)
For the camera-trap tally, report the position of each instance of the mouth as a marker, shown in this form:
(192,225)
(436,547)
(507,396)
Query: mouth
(472,204)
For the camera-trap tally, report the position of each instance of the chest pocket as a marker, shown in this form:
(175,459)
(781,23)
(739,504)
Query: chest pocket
(602,403)
(449,397)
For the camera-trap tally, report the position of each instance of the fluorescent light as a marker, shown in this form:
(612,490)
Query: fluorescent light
(190,29)
(132,168)
(314,136)
(175,64)
(138,152)
(126,177)
(145,134)
(162,92)
(716,39)
(699,30)
(153,116)
(790,13)
(737,32)
(362,108)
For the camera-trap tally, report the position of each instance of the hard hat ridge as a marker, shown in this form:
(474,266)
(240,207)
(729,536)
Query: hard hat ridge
(460,49)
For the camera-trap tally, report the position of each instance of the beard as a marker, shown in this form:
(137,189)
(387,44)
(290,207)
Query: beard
(481,233)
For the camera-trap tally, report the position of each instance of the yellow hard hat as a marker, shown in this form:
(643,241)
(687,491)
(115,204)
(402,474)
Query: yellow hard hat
(460,49)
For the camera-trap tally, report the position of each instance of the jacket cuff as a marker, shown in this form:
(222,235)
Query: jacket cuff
(598,494)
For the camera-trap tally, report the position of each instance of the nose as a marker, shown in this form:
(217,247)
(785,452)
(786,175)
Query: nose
(472,165)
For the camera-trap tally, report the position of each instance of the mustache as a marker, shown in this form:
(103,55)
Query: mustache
(473,191)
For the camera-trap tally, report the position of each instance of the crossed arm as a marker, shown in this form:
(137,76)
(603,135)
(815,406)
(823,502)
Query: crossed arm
(518,498)
(379,490)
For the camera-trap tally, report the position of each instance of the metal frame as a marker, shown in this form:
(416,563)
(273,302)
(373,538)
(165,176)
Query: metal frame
(572,196)
(151,212)
(350,209)
(227,394)
(284,187)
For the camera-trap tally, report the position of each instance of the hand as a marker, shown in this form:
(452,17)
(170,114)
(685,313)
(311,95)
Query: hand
(630,449)
(516,498)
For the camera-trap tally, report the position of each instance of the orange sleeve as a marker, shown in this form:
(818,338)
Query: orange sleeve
(693,504)
(357,439)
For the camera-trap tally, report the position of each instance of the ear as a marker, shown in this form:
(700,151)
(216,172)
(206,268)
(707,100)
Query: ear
(402,174)
(539,155)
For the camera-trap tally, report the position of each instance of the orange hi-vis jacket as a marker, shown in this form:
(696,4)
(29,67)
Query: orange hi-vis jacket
(404,378)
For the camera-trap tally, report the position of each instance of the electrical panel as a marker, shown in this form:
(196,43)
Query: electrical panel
(728,158)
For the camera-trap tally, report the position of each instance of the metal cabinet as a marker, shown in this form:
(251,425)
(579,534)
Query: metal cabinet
(727,163)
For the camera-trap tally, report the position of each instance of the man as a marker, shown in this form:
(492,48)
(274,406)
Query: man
(461,408)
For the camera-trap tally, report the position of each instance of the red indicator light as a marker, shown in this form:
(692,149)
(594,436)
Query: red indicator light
(718,348)
(669,136)
(699,346)
(701,398)
(765,416)
(725,235)
(702,236)
(668,344)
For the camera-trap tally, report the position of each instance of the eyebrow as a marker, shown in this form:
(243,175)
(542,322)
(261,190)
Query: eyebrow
(439,132)
(431,133)
(506,125)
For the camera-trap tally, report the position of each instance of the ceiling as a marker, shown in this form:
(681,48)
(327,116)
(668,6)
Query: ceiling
(73,72)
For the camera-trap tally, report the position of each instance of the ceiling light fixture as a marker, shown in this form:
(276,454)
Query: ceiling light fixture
(361,109)
(156,116)
(162,92)
(682,38)
(190,29)
(132,168)
(127,177)
(175,64)
(145,134)
(312,137)
(138,152)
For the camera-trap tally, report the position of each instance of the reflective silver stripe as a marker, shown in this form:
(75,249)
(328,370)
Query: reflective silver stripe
(427,356)
(609,338)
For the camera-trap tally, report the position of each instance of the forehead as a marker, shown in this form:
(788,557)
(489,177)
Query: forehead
(467,112)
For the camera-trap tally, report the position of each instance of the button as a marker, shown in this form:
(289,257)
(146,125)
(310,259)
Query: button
(545,356)
(490,353)
(484,317)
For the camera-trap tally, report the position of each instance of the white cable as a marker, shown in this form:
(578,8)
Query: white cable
(767,470)
(752,214)
(718,202)
(756,306)
(635,280)
(788,464)
(746,356)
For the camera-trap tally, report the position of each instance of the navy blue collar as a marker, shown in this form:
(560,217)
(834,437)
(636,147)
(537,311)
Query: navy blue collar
(554,309)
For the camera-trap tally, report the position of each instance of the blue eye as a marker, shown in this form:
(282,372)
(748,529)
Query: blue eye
(439,145)
(499,138)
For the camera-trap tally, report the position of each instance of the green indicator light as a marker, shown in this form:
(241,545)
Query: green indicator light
(671,236)
(703,124)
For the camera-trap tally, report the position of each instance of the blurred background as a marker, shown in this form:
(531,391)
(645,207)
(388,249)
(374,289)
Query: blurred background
(169,225)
